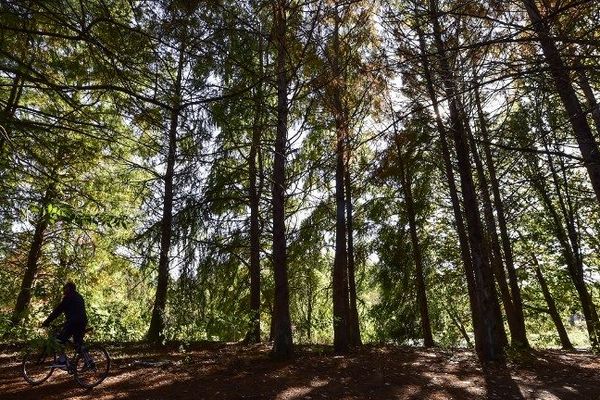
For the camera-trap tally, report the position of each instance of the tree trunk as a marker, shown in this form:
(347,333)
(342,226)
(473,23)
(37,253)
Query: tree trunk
(552,310)
(253,335)
(24,296)
(341,300)
(493,244)
(353,322)
(515,325)
(490,344)
(461,328)
(519,333)
(450,178)
(309,315)
(157,322)
(574,266)
(9,111)
(340,267)
(584,84)
(564,87)
(406,183)
(282,327)
(577,271)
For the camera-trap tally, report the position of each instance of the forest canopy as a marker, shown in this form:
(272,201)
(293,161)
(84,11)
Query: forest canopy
(317,171)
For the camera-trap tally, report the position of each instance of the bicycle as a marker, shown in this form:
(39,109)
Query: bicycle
(89,366)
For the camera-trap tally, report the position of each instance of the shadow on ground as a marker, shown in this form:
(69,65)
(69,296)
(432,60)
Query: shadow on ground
(232,371)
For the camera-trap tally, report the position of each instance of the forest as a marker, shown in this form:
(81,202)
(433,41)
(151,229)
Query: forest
(304,172)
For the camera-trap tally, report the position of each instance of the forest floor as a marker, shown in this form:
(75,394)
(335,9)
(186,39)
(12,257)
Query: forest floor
(232,371)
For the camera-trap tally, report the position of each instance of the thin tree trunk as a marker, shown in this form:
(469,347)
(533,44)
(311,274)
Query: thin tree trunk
(589,309)
(461,328)
(574,267)
(9,111)
(282,327)
(492,339)
(584,84)
(157,322)
(309,317)
(552,310)
(419,274)
(253,335)
(353,323)
(31,268)
(519,336)
(564,87)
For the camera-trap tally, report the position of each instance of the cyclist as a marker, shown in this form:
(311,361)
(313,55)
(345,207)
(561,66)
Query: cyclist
(73,306)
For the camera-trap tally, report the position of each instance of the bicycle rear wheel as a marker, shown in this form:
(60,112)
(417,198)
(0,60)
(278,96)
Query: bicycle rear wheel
(92,366)
(38,364)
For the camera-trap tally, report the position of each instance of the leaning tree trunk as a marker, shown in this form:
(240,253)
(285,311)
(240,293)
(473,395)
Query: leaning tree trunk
(492,339)
(282,326)
(562,81)
(552,310)
(406,183)
(574,267)
(9,111)
(586,88)
(577,271)
(493,244)
(519,336)
(449,172)
(31,268)
(516,325)
(157,322)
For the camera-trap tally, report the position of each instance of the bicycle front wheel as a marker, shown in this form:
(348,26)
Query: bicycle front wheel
(92,366)
(37,365)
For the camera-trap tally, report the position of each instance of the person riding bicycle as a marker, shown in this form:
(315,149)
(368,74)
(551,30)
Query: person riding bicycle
(73,306)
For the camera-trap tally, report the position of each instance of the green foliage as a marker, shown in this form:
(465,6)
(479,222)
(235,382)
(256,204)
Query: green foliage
(88,93)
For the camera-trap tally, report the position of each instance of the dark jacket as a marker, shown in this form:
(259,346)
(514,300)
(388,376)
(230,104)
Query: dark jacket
(74,308)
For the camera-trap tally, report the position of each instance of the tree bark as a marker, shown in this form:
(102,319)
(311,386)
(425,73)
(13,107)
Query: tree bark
(9,111)
(282,327)
(490,344)
(450,178)
(577,270)
(519,333)
(552,310)
(564,87)
(574,266)
(493,243)
(33,256)
(10,108)
(253,335)
(157,322)
(406,183)
(353,322)
(341,300)
(461,328)
(584,84)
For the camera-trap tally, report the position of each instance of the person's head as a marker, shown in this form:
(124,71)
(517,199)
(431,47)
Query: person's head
(69,288)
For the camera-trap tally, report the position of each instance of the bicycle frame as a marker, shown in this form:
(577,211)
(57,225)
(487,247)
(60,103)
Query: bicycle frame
(54,348)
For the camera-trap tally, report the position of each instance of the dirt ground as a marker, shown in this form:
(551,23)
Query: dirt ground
(232,371)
